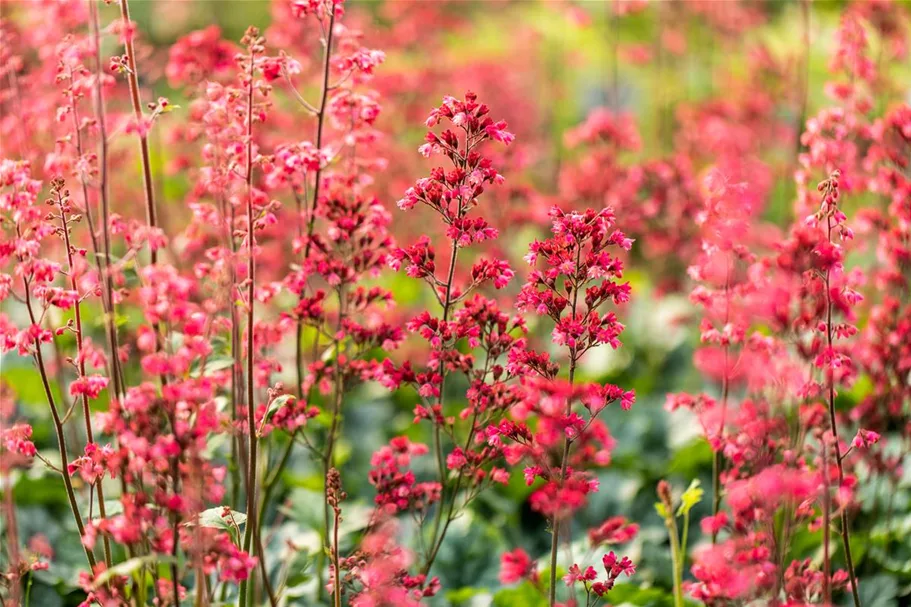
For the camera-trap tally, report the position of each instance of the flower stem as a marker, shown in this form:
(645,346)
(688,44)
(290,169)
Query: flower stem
(133,79)
(845,531)
(311,224)
(251,525)
(437,438)
(105,261)
(337,586)
(717,461)
(86,411)
(58,429)
(567,442)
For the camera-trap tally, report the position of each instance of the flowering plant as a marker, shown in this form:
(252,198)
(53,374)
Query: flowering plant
(255,350)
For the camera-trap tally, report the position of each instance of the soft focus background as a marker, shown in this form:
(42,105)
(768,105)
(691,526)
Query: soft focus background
(703,82)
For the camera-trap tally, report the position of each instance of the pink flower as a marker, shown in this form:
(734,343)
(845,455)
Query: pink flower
(865,439)
(615,530)
(615,567)
(90,386)
(516,566)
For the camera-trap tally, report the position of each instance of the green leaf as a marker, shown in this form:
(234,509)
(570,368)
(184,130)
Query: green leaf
(111,508)
(691,497)
(329,353)
(26,384)
(213,517)
(633,594)
(689,459)
(216,364)
(878,591)
(661,510)
(131,566)
(524,594)
(276,404)
(462,596)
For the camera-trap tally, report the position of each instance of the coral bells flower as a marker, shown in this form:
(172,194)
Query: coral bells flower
(615,530)
(320,8)
(578,277)
(173,331)
(588,577)
(398,490)
(516,566)
(91,386)
(96,462)
(198,56)
(614,566)
(865,439)
(16,440)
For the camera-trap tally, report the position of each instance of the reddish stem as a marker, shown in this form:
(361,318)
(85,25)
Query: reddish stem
(58,429)
(104,261)
(845,531)
(86,411)
(251,525)
(138,114)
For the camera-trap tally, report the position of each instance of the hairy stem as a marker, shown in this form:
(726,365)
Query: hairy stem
(845,530)
(826,522)
(676,557)
(251,525)
(133,79)
(717,462)
(337,586)
(105,261)
(311,224)
(320,123)
(58,429)
(86,411)
(567,443)
(437,439)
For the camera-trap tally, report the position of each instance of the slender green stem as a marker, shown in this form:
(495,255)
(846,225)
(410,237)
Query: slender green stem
(683,544)
(677,557)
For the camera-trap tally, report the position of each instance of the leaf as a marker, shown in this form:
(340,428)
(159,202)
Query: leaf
(524,594)
(662,511)
(878,591)
(329,353)
(213,518)
(463,596)
(276,404)
(44,595)
(632,594)
(131,566)
(215,364)
(691,497)
(111,508)
(689,459)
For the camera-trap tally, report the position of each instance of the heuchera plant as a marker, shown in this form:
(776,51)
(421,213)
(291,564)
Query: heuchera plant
(261,384)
